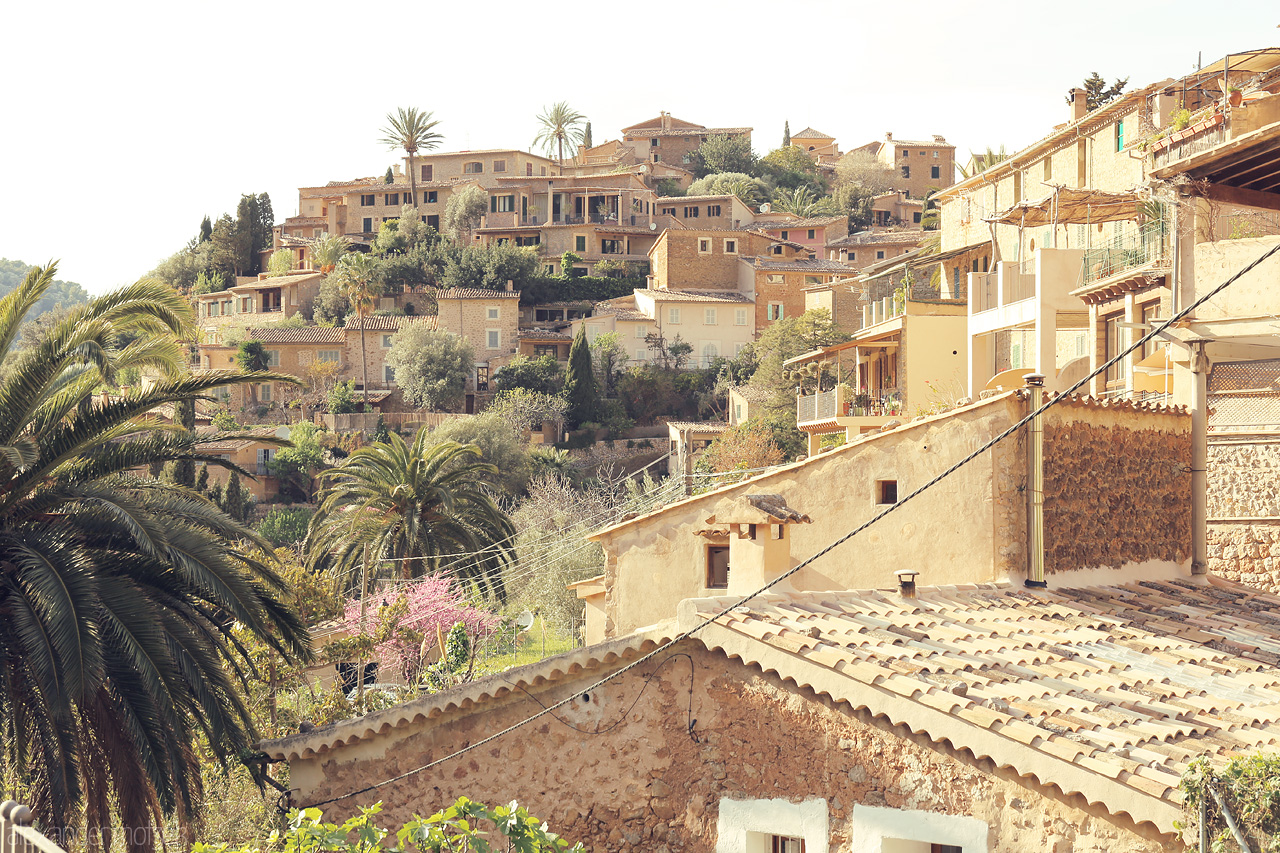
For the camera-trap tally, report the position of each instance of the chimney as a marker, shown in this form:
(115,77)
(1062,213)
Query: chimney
(510,285)
(938,138)
(906,582)
(759,542)
(1079,104)
(888,136)
(1035,484)
(666,120)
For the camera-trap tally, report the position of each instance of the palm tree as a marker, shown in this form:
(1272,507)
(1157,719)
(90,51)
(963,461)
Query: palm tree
(118,593)
(801,201)
(979,163)
(559,124)
(357,275)
(327,250)
(416,501)
(412,131)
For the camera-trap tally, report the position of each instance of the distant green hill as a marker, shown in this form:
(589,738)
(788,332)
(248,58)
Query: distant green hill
(67,293)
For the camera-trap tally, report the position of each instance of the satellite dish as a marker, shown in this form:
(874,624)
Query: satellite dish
(653,226)
(524,621)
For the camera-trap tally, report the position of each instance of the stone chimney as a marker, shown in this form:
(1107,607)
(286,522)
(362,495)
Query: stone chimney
(665,120)
(888,136)
(510,285)
(940,139)
(1079,104)
(759,542)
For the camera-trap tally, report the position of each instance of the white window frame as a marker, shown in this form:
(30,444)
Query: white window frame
(493,312)
(869,826)
(388,374)
(641,331)
(730,247)
(642,353)
(493,338)
(775,278)
(709,317)
(740,316)
(745,826)
(323,355)
(673,315)
(773,315)
(386,341)
(273,357)
(704,245)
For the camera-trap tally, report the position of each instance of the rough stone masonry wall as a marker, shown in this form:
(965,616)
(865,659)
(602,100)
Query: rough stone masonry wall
(1244,511)
(1114,494)
(646,785)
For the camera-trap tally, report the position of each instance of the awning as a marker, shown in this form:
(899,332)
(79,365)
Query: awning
(1071,206)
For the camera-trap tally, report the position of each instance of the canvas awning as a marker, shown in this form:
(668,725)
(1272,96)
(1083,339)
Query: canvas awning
(1071,206)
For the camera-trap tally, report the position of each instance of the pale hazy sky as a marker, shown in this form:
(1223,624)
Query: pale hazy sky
(125,123)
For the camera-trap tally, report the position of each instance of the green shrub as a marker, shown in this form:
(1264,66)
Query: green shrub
(285,525)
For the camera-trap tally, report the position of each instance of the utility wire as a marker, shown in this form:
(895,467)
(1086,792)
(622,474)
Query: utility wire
(684,635)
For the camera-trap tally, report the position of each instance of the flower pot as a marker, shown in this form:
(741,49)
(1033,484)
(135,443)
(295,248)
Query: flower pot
(1235,98)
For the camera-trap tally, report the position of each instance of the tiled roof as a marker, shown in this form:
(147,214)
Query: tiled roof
(208,440)
(687,131)
(271,282)
(304,335)
(304,220)
(476,293)
(918,143)
(543,335)
(872,238)
(679,198)
(1107,692)
(810,133)
(697,295)
(751,393)
(694,426)
(798,222)
(383,322)
(800,265)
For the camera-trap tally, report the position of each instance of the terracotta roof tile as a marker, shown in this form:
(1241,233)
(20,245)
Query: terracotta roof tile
(476,293)
(303,335)
(697,295)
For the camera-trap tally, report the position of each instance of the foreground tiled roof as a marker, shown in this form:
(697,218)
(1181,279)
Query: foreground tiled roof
(697,295)
(699,426)
(303,335)
(1106,692)
(810,133)
(871,238)
(800,265)
(385,322)
(543,335)
(792,224)
(476,293)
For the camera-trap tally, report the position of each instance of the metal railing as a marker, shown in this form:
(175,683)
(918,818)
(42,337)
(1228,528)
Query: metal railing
(18,836)
(841,402)
(1126,251)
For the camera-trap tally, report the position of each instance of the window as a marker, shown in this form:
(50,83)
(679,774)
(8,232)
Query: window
(391,199)
(367,227)
(1048,168)
(530,240)
(731,247)
(786,235)
(915,216)
(673,315)
(539,350)
(640,331)
(611,247)
(935,155)
(879,254)
(499,165)
(580,242)
(329,356)
(886,492)
(935,171)
(386,341)
(426,171)
(740,316)
(906,153)
(1149,312)
(906,171)
(709,317)
(502,203)
(1120,135)
(492,338)
(388,373)
(430,197)
(264,392)
(368,200)
(713,210)
(653,143)
(775,311)
(1115,342)
(812,232)
(814,279)
(785,844)
(642,353)
(273,357)
(710,352)
(493,312)
(704,245)
(775,278)
(472,168)
(691,212)
(668,211)
(717,567)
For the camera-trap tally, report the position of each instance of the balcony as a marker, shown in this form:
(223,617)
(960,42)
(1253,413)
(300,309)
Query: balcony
(841,405)
(1007,284)
(882,310)
(1146,246)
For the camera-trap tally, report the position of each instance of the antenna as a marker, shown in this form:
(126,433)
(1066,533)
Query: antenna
(524,621)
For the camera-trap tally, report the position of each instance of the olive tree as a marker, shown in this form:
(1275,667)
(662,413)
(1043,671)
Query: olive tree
(431,366)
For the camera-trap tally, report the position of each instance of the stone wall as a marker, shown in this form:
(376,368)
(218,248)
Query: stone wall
(1244,510)
(1114,494)
(644,783)
(1247,552)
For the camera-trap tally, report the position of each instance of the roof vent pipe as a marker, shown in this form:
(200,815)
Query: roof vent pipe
(1035,484)
(906,582)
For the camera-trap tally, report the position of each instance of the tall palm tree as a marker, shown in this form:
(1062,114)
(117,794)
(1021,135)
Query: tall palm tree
(358,276)
(118,593)
(558,124)
(417,501)
(411,130)
(979,163)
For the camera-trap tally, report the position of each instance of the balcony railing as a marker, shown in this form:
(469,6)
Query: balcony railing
(1019,282)
(1196,139)
(883,309)
(842,402)
(984,288)
(1126,251)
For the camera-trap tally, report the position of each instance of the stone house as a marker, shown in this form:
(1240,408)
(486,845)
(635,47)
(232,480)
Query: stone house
(1135,510)
(620,316)
(249,453)
(686,441)
(777,284)
(812,232)
(707,258)
(745,403)
(489,319)
(615,156)
(822,148)
(839,297)
(706,211)
(923,167)
(896,210)
(717,323)
(667,139)
(864,248)
(907,718)
(278,297)
(357,208)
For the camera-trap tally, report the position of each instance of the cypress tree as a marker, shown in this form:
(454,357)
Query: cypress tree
(202,479)
(390,179)
(233,500)
(586,136)
(580,390)
(786,133)
(206,230)
(184,413)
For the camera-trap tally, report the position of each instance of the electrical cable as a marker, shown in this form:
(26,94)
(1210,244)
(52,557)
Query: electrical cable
(705,622)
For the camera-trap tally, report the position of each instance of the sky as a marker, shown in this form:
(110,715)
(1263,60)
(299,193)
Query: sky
(126,123)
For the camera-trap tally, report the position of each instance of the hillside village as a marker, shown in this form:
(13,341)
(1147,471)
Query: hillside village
(882,499)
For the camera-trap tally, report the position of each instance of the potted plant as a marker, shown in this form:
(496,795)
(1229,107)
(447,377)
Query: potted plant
(1235,96)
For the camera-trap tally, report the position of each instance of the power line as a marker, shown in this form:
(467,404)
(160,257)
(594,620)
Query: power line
(1007,433)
